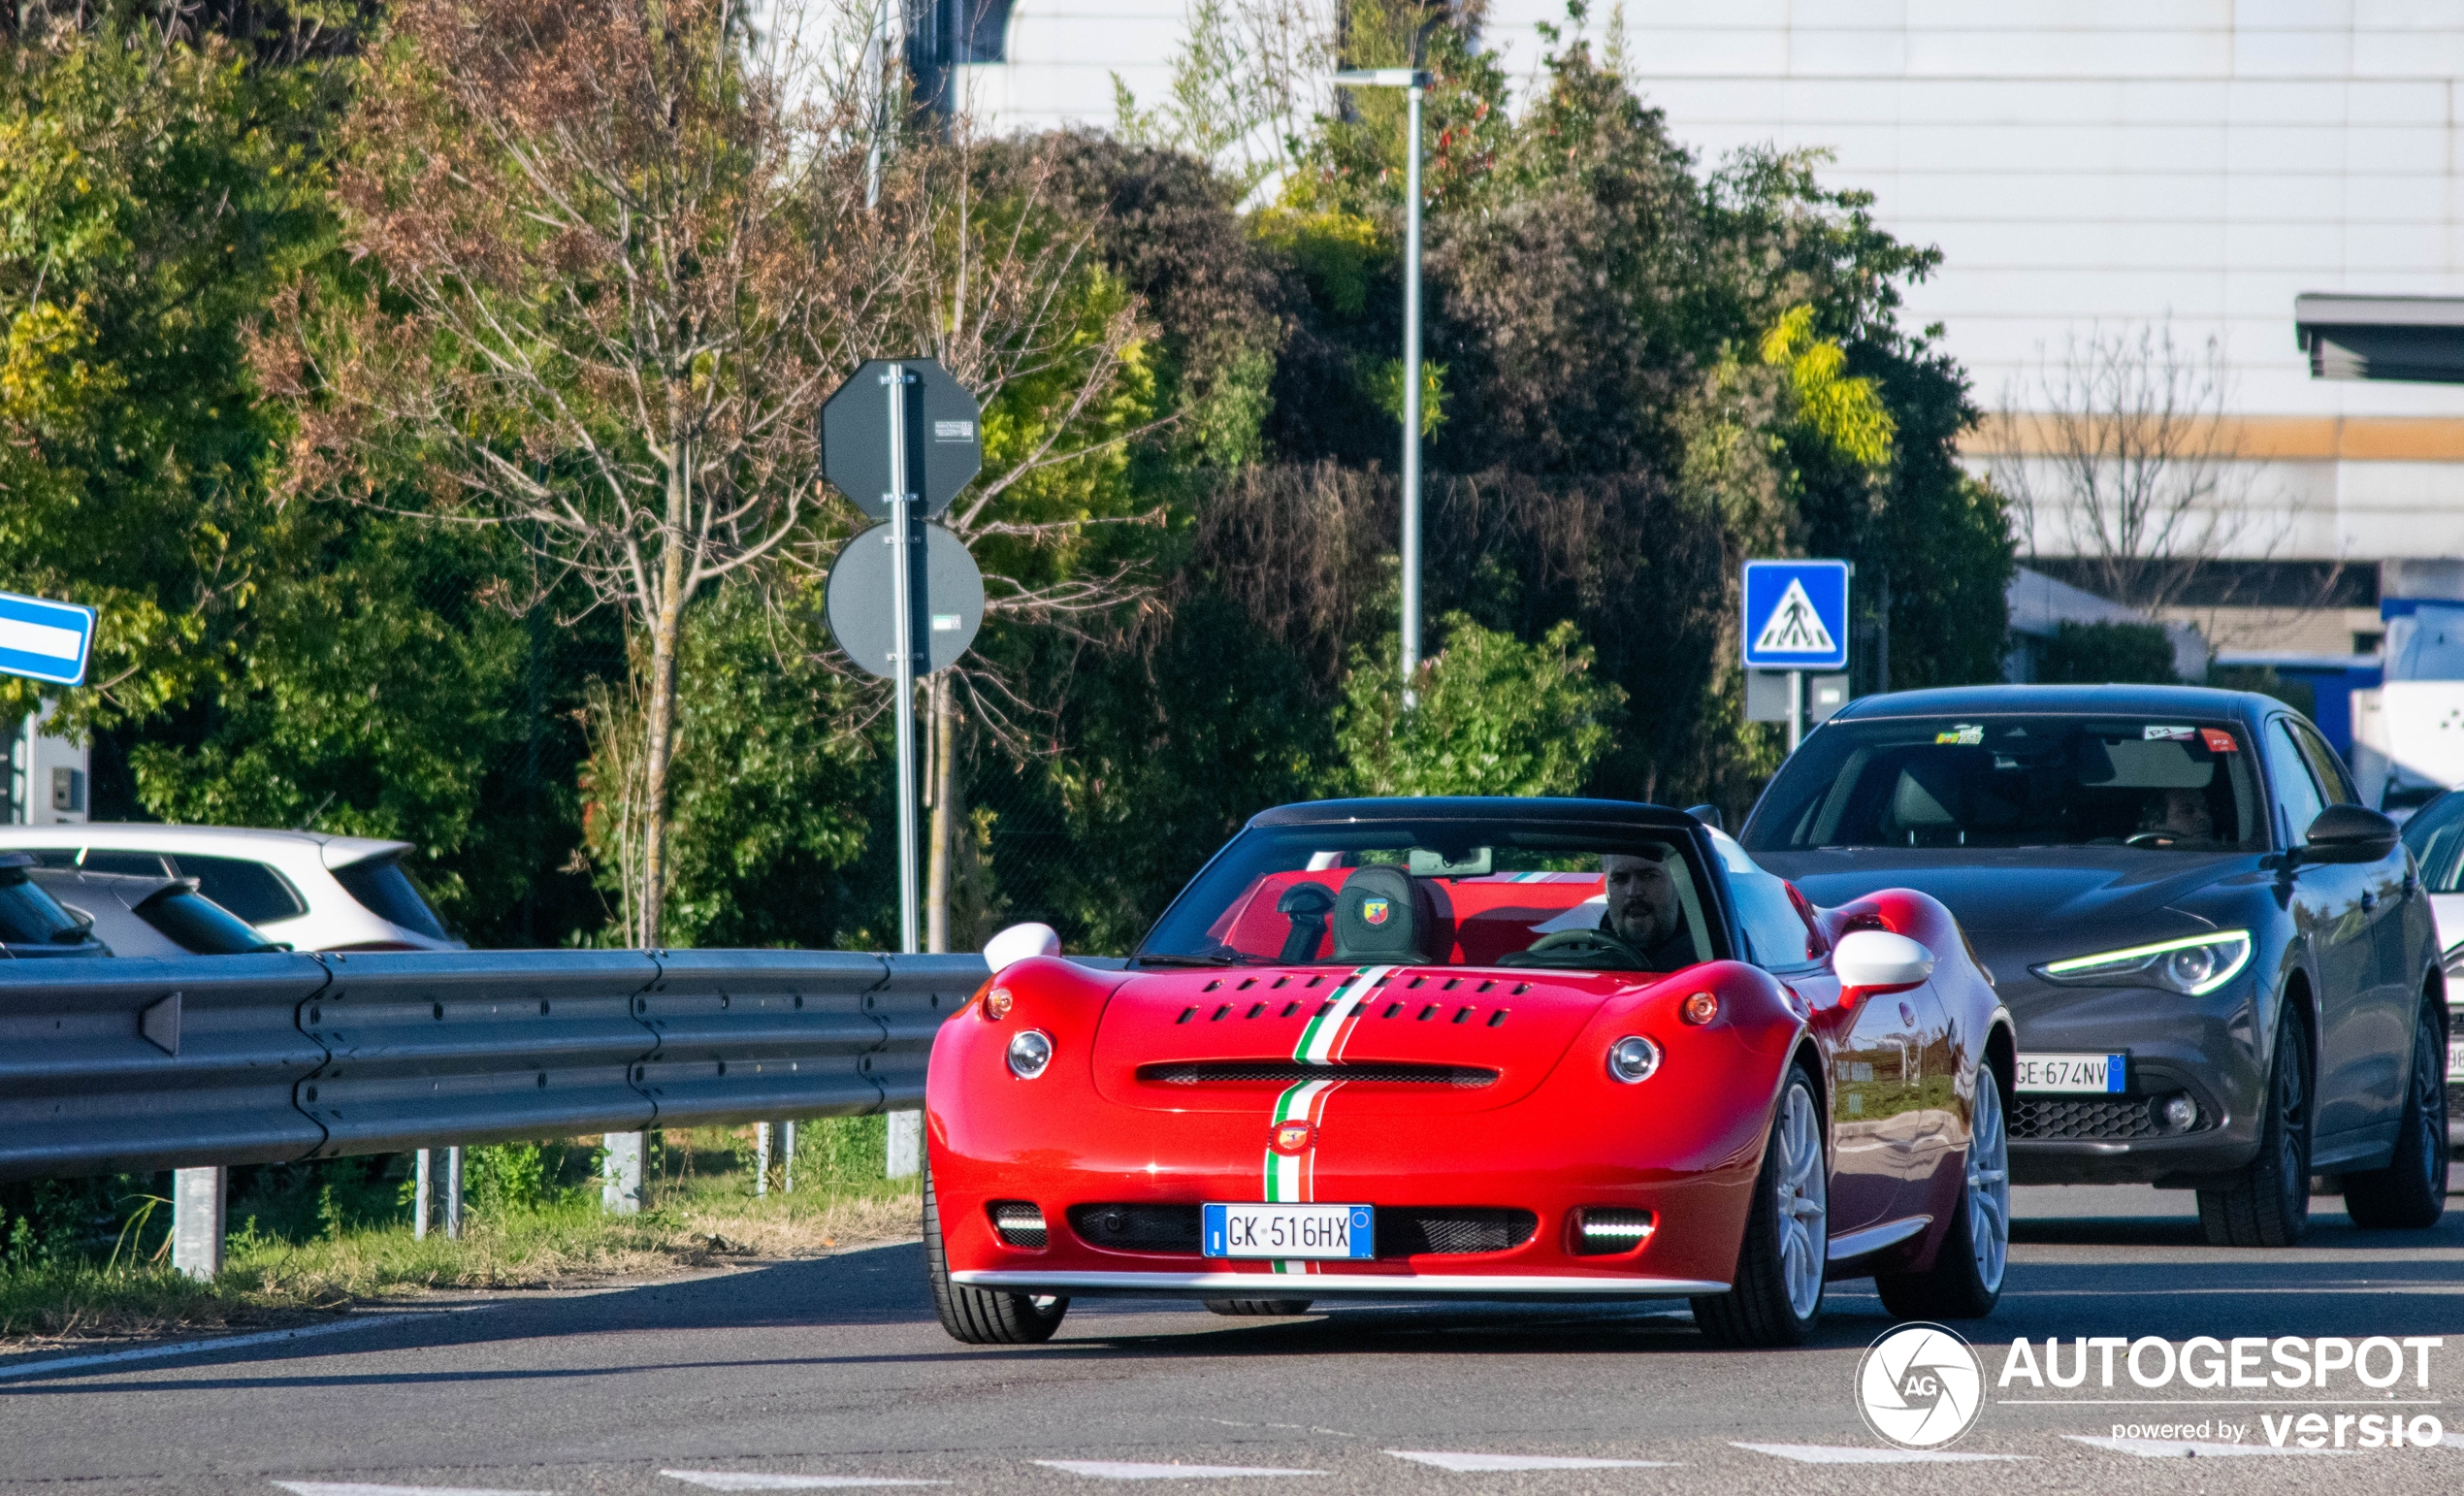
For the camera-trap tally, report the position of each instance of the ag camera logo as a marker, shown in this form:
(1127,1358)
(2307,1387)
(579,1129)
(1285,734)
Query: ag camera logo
(1920,1386)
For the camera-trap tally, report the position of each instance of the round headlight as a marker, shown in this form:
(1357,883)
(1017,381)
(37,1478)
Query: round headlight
(1030,1052)
(1632,1059)
(2190,966)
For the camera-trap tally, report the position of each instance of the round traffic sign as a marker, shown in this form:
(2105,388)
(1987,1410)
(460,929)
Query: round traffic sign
(946,599)
(944,435)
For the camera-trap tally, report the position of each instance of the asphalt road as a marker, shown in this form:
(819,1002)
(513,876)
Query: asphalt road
(833,1372)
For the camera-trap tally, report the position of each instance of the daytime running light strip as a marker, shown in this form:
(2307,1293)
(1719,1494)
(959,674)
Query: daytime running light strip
(2232,969)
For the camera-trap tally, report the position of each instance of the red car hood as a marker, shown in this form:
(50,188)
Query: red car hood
(1401,1039)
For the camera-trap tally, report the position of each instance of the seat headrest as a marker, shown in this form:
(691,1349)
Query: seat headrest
(1934,785)
(1382,914)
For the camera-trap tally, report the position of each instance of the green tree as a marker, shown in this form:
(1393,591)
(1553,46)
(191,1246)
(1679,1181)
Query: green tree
(1492,716)
(152,193)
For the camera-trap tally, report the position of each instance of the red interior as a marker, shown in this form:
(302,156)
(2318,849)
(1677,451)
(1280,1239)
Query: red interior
(1478,918)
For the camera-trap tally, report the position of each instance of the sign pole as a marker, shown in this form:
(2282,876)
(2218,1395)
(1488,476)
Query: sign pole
(1411,629)
(902,582)
(1796,708)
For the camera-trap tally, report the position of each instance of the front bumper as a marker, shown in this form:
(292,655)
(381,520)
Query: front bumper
(2205,1049)
(1378,1286)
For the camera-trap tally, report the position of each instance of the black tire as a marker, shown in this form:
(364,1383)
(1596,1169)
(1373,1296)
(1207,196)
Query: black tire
(1257,1307)
(982,1316)
(2411,1193)
(1759,1309)
(1965,1283)
(2268,1204)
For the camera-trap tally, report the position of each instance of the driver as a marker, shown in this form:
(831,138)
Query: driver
(2180,813)
(1643,910)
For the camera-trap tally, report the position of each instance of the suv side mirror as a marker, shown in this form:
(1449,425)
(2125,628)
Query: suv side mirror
(2349,833)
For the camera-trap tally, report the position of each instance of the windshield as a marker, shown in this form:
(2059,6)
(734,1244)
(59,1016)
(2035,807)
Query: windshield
(2436,835)
(1486,893)
(200,926)
(29,916)
(2167,785)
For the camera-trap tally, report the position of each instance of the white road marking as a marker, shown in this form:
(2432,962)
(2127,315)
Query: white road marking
(362,1488)
(2178,1448)
(226,1343)
(1467,1463)
(1828,1454)
(1125,1469)
(763,1481)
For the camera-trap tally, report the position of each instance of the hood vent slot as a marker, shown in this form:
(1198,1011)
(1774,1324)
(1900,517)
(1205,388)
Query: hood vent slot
(1283,1072)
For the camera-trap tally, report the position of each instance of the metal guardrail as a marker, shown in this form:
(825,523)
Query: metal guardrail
(116,1064)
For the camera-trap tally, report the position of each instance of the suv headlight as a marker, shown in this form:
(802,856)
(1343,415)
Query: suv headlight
(2194,965)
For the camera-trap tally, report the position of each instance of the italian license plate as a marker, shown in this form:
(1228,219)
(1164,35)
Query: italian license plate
(2073,1074)
(1310,1231)
(2455,1059)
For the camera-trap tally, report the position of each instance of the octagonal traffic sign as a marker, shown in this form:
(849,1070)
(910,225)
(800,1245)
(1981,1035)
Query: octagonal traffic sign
(946,600)
(942,436)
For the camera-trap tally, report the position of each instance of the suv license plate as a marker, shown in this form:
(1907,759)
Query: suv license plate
(1296,1231)
(2094,1075)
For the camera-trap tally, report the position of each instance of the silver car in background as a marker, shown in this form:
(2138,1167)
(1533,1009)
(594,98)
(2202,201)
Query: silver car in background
(302,889)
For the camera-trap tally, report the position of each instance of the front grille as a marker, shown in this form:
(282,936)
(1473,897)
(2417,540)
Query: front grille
(1403,1231)
(1451,1230)
(1137,1228)
(2101,1119)
(1283,1072)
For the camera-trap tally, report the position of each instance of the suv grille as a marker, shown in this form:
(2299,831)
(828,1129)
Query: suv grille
(2123,1117)
(1283,1072)
(1402,1231)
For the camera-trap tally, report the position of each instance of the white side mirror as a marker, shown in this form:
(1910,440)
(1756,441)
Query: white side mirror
(1019,942)
(1877,958)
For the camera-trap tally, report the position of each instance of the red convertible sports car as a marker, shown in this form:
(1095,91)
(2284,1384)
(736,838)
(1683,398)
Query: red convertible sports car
(1477,1049)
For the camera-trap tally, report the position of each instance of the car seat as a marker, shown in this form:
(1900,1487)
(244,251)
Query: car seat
(1383,914)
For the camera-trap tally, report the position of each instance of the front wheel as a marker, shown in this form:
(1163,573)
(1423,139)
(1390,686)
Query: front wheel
(982,1316)
(1965,1280)
(2268,1204)
(2410,1192)
(1777,1293)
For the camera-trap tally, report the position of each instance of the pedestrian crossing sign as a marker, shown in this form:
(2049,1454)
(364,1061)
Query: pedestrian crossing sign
(1796,615)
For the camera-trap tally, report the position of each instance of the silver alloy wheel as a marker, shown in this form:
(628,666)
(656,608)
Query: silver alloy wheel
(1989,1183)
(1805,1202)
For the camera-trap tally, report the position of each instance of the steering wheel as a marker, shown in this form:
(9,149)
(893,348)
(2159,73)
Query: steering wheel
(2153,839)
(1577,950)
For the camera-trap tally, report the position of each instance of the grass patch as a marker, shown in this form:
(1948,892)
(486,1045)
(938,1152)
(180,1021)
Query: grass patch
(311,1241)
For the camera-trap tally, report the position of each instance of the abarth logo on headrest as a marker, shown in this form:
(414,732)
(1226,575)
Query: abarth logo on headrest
(1293,1137)
(1373,911)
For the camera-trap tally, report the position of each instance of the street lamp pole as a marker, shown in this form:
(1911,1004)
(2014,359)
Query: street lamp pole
(1415,86)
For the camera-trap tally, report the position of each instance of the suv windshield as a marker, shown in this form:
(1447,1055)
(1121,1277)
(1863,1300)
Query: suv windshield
(1487,893)
(2035,781)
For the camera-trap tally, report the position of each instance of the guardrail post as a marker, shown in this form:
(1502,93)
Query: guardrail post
(196,1221)
(620,1176)
(453,1194)
(906,1145)
(760,1160)
(786,1166)
(420,1207)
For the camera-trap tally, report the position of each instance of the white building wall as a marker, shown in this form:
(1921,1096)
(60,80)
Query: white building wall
(2078,162)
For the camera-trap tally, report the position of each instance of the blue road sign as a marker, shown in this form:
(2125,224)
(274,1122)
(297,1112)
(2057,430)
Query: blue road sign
(45,640)
(1796,615)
